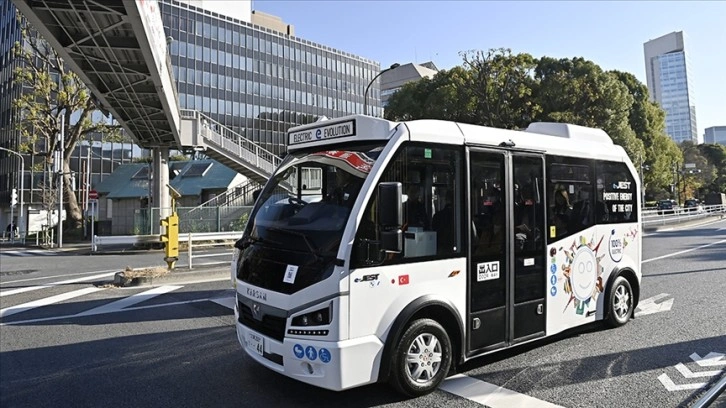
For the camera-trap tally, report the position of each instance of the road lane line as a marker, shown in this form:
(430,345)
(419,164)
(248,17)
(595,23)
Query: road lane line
(57,276)
(50,285)
(490,395)
(684,251)
(46,301)
(128,309)
(129,301)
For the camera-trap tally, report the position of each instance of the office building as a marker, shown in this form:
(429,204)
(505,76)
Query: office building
(256,77)
(393,80)
(715,134)
(670,84)
(244,68)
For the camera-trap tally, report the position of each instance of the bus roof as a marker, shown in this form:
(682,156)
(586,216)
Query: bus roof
(557,138)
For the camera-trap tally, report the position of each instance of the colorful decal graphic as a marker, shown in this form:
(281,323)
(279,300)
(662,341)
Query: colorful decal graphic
(582,273)
(403,280)
(616,245)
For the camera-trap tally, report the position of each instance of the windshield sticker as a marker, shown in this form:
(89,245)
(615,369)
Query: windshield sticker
(487,271)
(290,274)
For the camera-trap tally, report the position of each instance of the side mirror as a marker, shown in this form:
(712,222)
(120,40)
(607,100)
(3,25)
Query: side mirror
(390,214)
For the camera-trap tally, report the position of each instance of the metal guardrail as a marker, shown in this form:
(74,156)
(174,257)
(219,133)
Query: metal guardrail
(190,238)
(653,218)
(210,240)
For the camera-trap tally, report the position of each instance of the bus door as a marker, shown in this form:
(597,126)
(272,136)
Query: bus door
(529,286)
(506,275)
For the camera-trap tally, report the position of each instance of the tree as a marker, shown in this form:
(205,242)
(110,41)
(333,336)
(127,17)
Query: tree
(446,96)
(54,92)
(647,120)
(503,85)
(578,91)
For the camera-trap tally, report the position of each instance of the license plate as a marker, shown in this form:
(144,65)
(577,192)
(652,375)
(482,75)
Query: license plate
(256,343)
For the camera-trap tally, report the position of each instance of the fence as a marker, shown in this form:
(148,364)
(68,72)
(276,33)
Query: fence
(193,219)
(656,218)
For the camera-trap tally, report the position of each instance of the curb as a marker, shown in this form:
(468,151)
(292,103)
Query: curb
(179,275)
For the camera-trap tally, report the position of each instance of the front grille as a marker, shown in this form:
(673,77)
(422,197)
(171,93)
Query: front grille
(270,326)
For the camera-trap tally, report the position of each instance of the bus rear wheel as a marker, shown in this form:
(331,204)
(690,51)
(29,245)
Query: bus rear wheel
(620,303)
(422,358)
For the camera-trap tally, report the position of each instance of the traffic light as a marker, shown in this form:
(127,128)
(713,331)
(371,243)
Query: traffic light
(170,238)
(14,197)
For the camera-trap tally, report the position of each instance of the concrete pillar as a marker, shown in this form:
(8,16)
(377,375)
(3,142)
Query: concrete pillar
(161,179)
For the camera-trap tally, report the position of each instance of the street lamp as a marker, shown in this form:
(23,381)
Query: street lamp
(365,94)
(22,188)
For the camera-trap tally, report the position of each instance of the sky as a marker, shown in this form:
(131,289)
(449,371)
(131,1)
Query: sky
(609,33)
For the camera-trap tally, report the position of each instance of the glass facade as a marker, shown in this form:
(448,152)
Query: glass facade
(260,82)
(676,99)
(715,134)
(102,158)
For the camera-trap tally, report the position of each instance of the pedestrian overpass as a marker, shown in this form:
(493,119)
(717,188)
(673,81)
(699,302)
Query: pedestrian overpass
(119,49)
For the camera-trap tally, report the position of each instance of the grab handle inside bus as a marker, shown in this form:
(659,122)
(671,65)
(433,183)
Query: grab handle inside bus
(390,215)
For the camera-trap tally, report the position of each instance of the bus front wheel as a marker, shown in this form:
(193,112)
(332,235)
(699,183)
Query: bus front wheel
(621,302)
(422,358)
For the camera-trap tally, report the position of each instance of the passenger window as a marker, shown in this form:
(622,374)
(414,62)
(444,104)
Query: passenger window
(617,196)
(432,204)
(571,197)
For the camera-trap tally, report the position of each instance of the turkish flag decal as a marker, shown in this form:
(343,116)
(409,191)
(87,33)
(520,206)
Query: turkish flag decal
(403,280)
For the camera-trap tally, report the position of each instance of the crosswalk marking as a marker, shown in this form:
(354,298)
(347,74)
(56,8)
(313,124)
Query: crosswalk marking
(46,301)
(129,301)
(50,285)
(490,395)
(28,252)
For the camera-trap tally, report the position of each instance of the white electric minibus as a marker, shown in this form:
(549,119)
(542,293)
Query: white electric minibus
(382,251)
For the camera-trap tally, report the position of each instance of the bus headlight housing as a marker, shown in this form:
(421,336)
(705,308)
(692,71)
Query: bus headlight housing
(320,317)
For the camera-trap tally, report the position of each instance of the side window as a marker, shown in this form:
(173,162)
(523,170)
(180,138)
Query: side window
(616,192)
(571,196)
(432,204)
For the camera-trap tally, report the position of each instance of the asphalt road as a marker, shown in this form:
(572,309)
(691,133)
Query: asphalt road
(173,344)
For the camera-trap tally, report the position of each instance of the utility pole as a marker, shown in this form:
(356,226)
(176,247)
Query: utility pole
(60,182)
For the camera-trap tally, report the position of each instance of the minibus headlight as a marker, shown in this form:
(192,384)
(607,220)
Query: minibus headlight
(315,318)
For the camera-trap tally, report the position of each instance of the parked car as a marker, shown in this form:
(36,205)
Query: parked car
(666,207)
(692,205)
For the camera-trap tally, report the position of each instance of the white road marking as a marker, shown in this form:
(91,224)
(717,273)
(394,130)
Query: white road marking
(57,276)
(128,301)
(46,301)
(227,302)
(50,285)
(690,374)
(710,360)
(684,251)
(27,252)
(489,394)
(649,306)
(671,386)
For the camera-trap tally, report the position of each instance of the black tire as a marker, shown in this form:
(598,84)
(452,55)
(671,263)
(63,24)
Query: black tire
(409,377)
(620,302)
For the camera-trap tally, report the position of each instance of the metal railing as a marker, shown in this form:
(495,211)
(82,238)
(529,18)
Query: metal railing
(233,144)
(654,218)
(239,195)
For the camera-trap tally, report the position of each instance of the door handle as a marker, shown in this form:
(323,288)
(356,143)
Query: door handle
(540,309)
